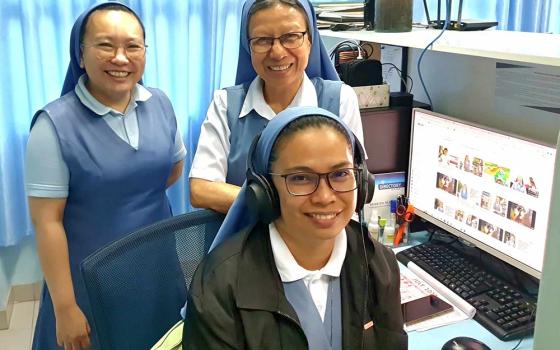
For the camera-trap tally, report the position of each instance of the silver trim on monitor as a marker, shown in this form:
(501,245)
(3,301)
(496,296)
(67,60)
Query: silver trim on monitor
(489,249)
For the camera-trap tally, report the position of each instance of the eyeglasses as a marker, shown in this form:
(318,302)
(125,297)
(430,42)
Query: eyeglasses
(107,50)
(263,44)
(305,183)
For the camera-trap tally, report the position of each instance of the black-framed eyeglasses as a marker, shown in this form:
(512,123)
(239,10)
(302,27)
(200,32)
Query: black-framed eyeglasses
(263,44)
(107,50)
(304,183)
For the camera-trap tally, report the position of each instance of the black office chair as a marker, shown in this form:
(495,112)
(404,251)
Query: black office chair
(137,285)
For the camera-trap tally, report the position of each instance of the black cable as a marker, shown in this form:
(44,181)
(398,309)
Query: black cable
(436,233)
(518,343)
(335,51)
(340,45)
(368,44)
(431,231)
(393,66)
(533,312)
(354,46)
(366,277)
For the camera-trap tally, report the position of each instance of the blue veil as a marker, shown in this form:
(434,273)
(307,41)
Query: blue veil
(319,64)
(74,71)
(239,217)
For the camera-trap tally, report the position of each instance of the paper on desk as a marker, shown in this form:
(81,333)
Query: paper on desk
(412,287)
(426,284)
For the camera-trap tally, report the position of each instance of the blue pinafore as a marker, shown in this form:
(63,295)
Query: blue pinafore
(321,334)
(113,188)
(243,130)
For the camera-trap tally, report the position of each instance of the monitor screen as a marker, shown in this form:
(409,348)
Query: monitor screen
(487,187)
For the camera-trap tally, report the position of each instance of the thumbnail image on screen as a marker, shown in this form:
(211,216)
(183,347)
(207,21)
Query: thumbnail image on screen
(492,188)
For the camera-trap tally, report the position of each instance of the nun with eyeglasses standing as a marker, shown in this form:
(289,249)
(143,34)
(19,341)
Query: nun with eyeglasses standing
(282,63)
(98,162)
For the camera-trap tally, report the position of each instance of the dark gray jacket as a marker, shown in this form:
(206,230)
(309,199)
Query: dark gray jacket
(236,298)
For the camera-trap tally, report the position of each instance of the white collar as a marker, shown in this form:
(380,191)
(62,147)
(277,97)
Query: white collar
(290,270)
(254,100)
(139,94)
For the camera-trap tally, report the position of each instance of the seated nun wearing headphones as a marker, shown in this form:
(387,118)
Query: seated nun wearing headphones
(282,63)
(293,271)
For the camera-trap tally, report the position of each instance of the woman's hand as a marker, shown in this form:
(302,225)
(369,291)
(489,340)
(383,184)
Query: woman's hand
(72,328)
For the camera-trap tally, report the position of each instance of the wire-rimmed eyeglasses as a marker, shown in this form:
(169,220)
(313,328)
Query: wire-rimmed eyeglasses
(106,50)
(304,183)
(263,44)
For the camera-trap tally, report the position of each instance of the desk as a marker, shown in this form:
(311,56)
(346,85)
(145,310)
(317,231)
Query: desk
(435,338)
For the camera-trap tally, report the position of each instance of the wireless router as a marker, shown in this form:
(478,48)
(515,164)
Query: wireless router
(459,24)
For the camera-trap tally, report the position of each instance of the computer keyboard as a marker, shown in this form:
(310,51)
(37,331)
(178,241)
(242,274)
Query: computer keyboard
(501,308)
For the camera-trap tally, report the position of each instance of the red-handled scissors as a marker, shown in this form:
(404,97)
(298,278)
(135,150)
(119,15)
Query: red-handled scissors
(405,214)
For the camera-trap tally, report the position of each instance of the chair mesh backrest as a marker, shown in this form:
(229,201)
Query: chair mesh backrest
(137,285)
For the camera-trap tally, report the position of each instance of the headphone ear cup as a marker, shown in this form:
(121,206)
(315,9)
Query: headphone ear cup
(370,186)
(363,187)
(262,198)
(365,180)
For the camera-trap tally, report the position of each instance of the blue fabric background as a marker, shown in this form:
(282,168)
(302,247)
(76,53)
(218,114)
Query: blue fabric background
(192,51)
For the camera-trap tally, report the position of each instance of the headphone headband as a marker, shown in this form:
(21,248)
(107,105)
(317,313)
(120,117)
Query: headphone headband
(263,198)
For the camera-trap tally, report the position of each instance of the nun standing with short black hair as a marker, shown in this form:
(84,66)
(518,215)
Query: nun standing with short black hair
(98,162)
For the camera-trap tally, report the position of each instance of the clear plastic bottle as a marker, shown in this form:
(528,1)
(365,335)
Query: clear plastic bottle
(382,222)
(373,229)
(373,226)
(389,234)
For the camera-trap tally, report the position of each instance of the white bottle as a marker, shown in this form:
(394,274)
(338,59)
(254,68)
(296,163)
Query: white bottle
(373,226)
(389,234)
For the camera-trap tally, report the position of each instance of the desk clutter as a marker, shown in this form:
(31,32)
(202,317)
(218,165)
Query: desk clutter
(416,284)
(333,14)
(381,211)
(500,307)
(357,66)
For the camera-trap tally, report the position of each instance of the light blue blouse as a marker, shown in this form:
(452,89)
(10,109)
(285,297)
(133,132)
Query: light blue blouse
(46,172)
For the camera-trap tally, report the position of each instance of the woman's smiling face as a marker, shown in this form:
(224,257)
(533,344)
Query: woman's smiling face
(280,67)
(323,214)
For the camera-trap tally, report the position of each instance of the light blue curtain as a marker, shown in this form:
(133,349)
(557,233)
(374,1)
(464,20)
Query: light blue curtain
(192,51)
(542,16)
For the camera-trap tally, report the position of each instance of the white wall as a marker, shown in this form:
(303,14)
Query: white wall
(546,330)
(18,265)
(464,87)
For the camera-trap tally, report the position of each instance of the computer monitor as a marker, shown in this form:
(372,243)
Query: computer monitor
(486,187)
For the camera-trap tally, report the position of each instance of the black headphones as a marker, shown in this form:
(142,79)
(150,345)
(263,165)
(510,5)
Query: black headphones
(262,198)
